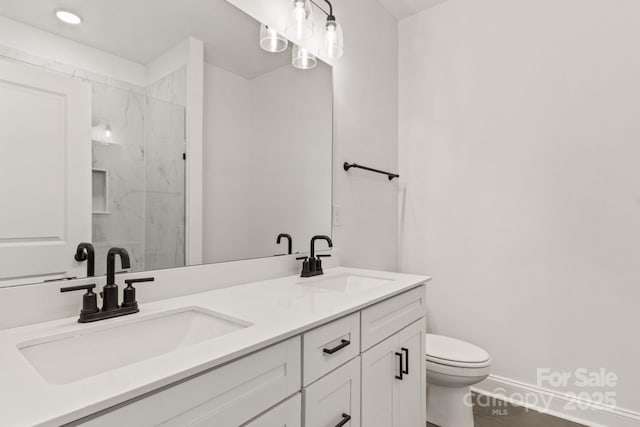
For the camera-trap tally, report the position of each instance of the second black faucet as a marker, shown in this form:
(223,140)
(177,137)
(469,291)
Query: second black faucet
(312,265)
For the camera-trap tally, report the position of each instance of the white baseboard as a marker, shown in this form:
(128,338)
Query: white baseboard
(557,404)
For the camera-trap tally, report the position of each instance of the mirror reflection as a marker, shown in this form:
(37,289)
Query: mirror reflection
(179,131)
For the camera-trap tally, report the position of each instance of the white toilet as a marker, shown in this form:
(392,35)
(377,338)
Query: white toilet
(452,367)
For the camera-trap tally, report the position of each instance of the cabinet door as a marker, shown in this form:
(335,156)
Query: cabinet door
(379,369)
(394,380)
(334,400)
(45,173)
(412,404)
(286,414)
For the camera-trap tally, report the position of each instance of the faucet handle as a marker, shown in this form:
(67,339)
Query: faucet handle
(129,293)
(88,288)
(89,299)
(130,282)
(323,255)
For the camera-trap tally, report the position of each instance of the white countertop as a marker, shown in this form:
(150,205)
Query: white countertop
(278,309)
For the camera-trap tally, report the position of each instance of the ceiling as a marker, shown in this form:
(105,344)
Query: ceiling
(142,30)
(403,8)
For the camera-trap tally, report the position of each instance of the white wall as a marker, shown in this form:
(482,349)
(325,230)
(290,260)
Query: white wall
(267,161)
(291,157)
(366,132)
(519,144)
(228,116)
(365,128)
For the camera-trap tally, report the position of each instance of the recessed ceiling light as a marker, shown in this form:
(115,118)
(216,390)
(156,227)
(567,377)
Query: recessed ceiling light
(68,17)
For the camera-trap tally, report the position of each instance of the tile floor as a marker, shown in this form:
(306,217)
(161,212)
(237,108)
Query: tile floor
(497,413)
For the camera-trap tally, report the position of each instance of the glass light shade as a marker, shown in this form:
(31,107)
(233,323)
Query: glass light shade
(333,47)
(271,41)
(300,24)
(303,59)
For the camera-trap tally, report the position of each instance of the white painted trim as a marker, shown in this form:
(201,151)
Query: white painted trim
(554,403)
(194,163)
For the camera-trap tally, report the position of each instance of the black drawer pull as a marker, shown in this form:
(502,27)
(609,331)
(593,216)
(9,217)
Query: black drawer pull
(343,344)
(399,377)
(406,361)
(345,419)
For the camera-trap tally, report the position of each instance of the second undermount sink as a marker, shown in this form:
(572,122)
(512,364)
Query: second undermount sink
(347,283)
(66,358)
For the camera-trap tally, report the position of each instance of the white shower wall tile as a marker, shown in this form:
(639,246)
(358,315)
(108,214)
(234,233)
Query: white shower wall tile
(123,225)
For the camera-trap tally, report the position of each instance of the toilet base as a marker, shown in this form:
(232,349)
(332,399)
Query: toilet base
(449,406)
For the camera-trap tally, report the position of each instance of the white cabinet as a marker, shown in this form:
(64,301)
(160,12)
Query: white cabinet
(329,346)
(412,389)
(225,397)
(334,400)
(384,319)
(286,414)
(379,368)
(394,380)
(382,385)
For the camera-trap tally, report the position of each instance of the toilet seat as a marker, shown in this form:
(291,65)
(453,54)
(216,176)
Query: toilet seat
(455,353)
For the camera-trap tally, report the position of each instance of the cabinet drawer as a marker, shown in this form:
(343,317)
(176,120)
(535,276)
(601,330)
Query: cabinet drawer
(388,317)
(334,400)
(330,346)
(286,414)
(225,397)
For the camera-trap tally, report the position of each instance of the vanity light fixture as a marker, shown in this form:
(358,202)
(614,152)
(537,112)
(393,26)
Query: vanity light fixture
(333,39)
(68,17)
(303,59)
(300,24)
(271,41)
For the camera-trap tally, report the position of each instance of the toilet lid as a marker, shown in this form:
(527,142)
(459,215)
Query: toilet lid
(453,352)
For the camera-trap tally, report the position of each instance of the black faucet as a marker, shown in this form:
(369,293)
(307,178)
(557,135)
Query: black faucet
(85,252)
(110,307)
(110,290)
(288,237)
(312,265)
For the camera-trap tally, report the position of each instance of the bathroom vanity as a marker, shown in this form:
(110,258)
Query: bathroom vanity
(161,144)
(342,349)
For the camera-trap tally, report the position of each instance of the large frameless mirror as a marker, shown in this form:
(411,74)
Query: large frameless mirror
(100,105)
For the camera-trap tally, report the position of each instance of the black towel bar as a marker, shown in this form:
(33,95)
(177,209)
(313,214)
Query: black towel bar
(390,175)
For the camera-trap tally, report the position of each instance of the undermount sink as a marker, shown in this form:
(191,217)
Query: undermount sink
(347,283)
(62,359)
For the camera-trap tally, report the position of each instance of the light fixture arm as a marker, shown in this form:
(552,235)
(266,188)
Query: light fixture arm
(330,13)
(330,16)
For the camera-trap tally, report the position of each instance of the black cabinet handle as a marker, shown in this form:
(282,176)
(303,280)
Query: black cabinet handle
(399,377)
(345,419)
(343,344)
(406,361)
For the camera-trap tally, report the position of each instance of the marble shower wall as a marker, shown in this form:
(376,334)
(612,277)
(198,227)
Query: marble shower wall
(124,160)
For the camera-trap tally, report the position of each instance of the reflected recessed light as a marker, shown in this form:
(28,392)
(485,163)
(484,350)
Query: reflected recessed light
(68,17)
